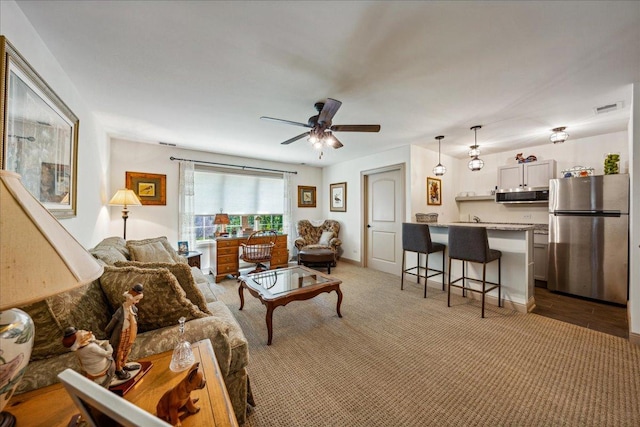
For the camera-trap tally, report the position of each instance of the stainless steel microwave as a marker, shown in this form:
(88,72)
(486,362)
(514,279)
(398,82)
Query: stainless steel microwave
(523,195)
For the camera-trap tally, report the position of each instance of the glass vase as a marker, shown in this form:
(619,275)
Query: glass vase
(182,357)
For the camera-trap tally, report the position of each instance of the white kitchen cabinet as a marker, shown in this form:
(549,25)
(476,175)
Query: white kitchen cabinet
(533,174)
(540,256)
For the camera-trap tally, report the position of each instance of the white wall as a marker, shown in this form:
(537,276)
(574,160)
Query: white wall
(90,224)
(589,152)
(152,221)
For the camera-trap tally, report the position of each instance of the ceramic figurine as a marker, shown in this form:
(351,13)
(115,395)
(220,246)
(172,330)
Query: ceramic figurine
(179,397)
(95,356)
(521,159)
(123,329)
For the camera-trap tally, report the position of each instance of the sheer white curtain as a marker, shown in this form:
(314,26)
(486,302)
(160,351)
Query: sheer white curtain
(287,226)
(186,205)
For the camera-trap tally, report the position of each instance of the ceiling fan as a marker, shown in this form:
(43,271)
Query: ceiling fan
(321,133)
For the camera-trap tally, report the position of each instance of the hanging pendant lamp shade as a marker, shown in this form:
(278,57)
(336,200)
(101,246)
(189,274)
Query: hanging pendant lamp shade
(559,135)
(475,164)
(439,170)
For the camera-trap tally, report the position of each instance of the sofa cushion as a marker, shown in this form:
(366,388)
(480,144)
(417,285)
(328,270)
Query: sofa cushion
(109,255)
(150,252)
(85,307)
(47,341)
(163,241)
(183,273)
(163,303)
(117,243)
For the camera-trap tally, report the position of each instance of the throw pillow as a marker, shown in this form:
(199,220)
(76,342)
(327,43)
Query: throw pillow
(150,252)
(164,241)
(326,238)
(163,302)
(107,254)
(182,272)
(47,340)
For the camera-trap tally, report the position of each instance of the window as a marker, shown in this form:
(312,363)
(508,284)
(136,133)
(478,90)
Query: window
(253,200)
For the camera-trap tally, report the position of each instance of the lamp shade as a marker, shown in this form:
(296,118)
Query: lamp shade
(125,197)
(221,218)
(38,256)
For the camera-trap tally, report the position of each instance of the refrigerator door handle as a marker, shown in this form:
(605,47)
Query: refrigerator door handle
(609,214)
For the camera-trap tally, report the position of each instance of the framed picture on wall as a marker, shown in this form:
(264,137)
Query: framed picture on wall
(306,196)
(434,191)
(150,188)
(338,194)
(39,134)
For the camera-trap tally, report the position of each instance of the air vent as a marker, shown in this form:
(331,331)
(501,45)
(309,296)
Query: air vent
(608,108)
(169,144)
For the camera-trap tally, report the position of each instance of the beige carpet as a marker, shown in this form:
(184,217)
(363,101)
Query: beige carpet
(397,359)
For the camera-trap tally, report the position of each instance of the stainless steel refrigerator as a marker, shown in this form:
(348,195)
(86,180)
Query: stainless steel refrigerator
(589,236)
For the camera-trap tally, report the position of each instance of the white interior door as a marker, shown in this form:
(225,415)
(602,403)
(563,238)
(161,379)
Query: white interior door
(385,209)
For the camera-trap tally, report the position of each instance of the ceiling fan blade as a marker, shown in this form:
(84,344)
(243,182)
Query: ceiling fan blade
(289,122)
(337,144)
(295,138)
(329,110)
(355,128)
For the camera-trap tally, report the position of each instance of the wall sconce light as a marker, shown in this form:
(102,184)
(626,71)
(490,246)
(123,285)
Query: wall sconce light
(559,135)
(475,164)
(439,170)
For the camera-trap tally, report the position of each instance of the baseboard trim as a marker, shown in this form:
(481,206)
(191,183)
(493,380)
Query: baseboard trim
(490,299)
(350,261)
(634,338)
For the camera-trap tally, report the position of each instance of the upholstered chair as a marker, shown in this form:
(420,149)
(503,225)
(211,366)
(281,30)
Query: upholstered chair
(323,235)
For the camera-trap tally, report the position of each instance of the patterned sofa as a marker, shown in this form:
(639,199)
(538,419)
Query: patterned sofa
(319,235)
(171,289)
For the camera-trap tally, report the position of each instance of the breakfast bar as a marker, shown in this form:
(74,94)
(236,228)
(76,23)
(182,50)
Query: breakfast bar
(516,243)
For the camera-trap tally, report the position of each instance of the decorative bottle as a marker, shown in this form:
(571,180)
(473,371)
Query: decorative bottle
(182,357)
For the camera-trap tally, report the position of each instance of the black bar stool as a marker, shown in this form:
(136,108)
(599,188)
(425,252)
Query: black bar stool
(417,238)
(471,244)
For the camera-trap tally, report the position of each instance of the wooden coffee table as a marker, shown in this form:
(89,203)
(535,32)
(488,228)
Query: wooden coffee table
(281,286)
(51,406)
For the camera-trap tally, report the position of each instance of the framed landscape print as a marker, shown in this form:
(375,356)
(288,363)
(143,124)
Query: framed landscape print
(306,196)
(434,191)
(39,134)
(150,188)
(338,194)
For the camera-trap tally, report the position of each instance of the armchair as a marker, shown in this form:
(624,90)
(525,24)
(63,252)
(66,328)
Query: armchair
(324,235)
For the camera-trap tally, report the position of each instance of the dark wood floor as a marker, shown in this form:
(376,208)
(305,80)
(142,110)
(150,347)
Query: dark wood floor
(608,318)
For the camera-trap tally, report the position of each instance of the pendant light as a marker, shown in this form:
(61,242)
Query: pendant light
(439,170)
(475,151)
(559,135)
(475,164)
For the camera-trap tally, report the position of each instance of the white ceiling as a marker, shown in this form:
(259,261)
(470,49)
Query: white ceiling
(200,73)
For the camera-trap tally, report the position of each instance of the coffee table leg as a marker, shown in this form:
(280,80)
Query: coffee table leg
(269,319)
(241,293)
(339,292)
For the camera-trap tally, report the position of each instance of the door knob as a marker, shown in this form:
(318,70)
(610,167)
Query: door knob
(368,226)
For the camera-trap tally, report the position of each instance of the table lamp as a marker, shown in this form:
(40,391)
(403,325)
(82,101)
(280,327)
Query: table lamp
(38,259)
(221,219)
(123,198)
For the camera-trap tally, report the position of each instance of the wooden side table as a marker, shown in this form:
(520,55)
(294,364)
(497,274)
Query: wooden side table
(52,406)
(193,258)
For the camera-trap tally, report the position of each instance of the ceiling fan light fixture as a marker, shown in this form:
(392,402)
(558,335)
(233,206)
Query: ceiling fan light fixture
(559,135)
(439,170)
(475,164)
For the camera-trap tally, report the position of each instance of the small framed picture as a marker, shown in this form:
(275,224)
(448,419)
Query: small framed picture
(338,194)
(183,248)
(306,196)
(151,188)
(434,191)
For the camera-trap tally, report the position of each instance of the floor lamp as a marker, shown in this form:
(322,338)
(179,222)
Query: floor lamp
(28,228)
(123,198)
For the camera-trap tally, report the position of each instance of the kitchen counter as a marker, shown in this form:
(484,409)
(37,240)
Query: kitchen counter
(515,241)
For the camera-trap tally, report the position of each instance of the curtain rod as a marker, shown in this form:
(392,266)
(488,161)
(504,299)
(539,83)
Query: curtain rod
(233,166)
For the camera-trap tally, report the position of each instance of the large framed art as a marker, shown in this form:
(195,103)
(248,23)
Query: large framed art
(39,134)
